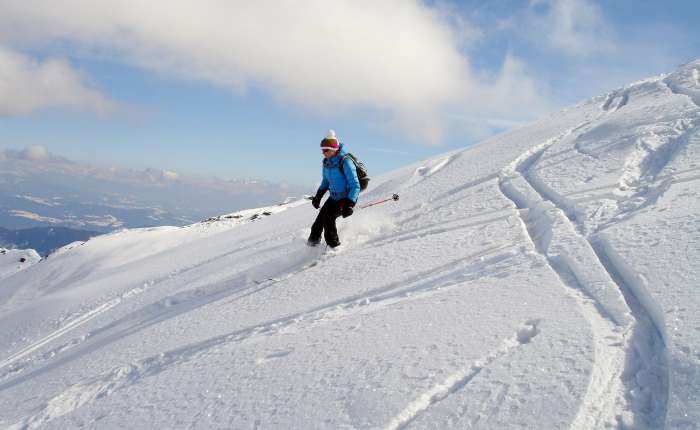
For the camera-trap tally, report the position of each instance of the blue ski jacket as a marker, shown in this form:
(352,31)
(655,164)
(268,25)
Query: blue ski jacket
(341,185)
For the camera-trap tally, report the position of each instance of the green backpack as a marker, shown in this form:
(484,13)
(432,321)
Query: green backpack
(359,167)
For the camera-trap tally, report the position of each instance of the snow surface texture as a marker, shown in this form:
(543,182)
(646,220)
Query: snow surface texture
(545,279)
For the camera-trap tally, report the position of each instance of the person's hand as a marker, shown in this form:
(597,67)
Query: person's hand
(346,209)
(316,201)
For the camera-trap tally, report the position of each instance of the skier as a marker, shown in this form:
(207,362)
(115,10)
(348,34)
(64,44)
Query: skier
(344,187)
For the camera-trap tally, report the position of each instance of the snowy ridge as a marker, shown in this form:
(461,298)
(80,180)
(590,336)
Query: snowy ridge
(542,279)
(248,215)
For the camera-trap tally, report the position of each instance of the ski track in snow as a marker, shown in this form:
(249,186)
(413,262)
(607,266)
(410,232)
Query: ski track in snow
(628,346)
(540,222)
(165,308)
(462,377)
(450,275)
(75,323)
(641,183)
(238,285)
(653,151)
(429,169)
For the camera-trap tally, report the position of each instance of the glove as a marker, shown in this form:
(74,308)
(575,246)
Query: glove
(316,201)
(346,207)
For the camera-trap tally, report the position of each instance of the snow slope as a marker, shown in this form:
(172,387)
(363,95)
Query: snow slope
(544,279)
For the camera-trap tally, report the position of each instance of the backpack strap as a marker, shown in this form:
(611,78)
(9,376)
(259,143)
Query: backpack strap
(340,164)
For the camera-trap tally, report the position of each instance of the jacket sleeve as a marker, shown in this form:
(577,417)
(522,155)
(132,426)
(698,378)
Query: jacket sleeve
(324,182)
(351,178)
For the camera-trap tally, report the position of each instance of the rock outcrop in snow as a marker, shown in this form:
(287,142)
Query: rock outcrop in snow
(545,278)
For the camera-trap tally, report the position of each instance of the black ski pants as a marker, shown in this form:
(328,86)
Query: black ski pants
(325,223)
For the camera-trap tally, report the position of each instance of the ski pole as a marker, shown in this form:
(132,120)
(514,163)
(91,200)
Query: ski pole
(394,197)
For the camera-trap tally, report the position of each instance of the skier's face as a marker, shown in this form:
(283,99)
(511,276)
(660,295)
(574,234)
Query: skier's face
(328,153)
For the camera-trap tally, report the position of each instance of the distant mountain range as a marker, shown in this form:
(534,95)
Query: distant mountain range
(40,189)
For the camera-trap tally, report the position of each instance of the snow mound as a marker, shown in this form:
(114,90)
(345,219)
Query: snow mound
(15,260)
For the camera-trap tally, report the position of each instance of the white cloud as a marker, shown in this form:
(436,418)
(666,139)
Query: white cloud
(35,153)
(466,32)
(509,99)
(574,27)
(29,153)
(398,58)
(27,85)
(513,92)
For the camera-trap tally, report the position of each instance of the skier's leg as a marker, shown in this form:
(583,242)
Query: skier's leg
(317,227)
(330,232)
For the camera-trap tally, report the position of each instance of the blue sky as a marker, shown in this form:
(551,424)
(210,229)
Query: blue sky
(248,91)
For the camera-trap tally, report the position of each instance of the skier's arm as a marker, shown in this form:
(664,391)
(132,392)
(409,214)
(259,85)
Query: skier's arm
(351,178)
(323,187)
(316,201)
